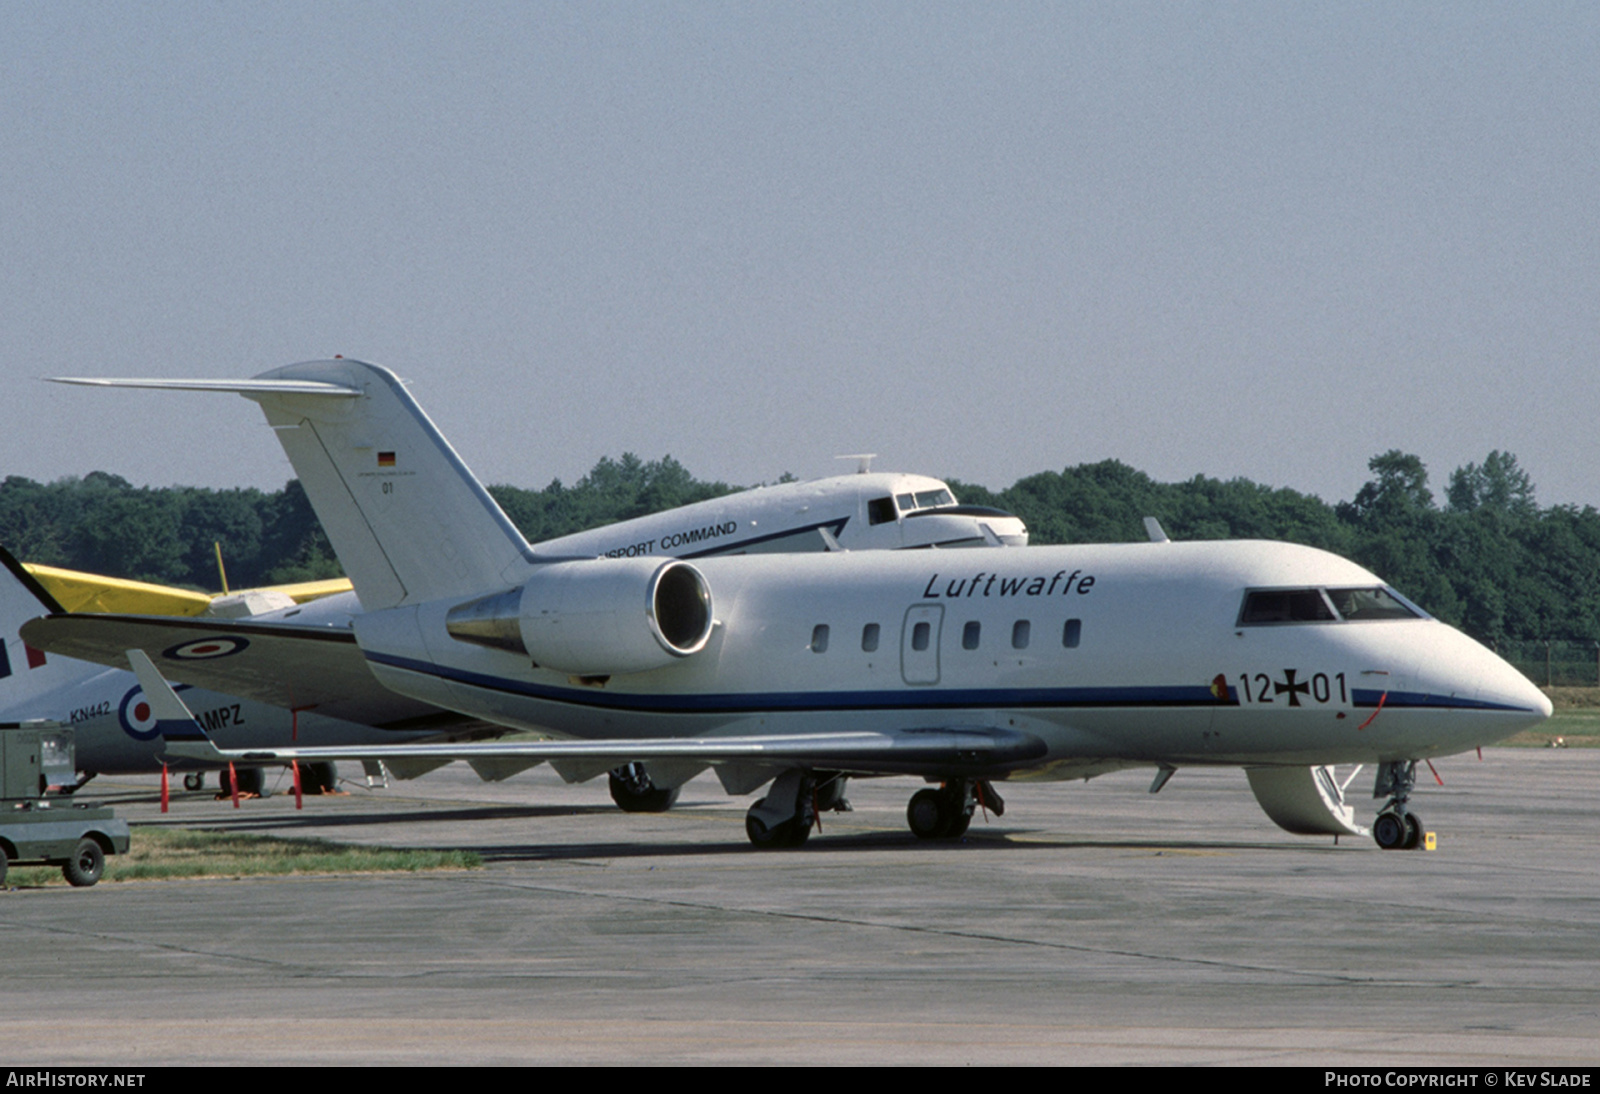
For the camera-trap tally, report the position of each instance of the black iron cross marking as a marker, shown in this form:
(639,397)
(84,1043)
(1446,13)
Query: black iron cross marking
(1295,690)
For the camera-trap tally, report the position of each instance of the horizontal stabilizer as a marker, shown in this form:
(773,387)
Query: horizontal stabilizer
(295,667)
(239,387)
(408,520)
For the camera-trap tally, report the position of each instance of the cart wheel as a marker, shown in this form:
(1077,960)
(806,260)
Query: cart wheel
(86,865)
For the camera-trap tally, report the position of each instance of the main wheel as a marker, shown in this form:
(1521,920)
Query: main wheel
(86,865)
(790,833)
(194,780)
(929,814)
(959,825)
(630,798)
(318,778)
(252,780)
(1389,831)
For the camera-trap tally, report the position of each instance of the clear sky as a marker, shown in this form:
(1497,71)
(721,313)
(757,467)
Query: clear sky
(983,240)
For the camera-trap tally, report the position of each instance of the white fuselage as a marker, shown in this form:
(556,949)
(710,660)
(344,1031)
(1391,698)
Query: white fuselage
(1156,668)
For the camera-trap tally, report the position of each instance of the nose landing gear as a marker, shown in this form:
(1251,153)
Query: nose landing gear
(1396,827)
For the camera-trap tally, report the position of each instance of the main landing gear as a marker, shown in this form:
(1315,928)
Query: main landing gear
(785,817)
(946,811)
(1397,828)
(633,791)
(252,781)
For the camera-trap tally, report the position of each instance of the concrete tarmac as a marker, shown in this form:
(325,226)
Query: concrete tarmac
(1093,923)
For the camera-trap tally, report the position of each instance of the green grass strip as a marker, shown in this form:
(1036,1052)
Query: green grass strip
(158,852)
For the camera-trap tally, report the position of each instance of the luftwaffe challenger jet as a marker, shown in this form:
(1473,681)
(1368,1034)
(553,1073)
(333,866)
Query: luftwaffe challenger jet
(796,672)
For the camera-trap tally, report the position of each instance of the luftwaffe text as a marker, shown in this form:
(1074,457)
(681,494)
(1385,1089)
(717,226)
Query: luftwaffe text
(987,584)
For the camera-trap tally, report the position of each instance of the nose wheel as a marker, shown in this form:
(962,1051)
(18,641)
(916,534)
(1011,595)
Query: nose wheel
(1397,831)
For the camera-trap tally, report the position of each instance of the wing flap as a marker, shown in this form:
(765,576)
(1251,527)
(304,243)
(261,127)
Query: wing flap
(941,750)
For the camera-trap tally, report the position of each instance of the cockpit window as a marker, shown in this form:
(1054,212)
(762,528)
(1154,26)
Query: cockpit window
(1285,606)
(880,511)
(1361,604)
(924,499)
(1264,606)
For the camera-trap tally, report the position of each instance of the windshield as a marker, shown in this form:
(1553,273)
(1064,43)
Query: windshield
(1357,605)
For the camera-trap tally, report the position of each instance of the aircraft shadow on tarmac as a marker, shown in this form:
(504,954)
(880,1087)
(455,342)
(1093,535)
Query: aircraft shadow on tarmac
(834,835)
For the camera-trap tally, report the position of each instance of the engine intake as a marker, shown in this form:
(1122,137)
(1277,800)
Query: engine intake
(595,617)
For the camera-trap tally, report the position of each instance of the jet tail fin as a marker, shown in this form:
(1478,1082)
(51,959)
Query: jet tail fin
(26,672)
(406,517)
(184,737)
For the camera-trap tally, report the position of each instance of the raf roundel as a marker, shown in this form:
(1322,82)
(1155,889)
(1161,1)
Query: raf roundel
(137,718)
(205,649)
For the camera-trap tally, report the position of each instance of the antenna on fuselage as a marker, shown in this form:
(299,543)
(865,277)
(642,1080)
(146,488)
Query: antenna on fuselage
(1153,529)
(866,459)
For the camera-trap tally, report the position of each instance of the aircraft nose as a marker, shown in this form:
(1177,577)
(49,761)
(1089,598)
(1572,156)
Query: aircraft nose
(1494,686)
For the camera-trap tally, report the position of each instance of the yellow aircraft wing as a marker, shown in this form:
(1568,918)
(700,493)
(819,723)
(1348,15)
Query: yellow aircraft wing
(302,591)
(81,592)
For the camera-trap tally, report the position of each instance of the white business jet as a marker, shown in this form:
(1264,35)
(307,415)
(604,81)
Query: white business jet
(800,671)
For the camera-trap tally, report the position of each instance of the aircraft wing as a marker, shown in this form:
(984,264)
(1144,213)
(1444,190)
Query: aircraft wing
(80,592)
(296,667)
(980,750)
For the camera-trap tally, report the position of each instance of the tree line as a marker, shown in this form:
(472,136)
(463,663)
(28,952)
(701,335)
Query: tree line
(1486,557)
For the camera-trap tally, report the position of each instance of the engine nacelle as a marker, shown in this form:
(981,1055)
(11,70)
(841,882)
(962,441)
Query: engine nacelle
(595,617)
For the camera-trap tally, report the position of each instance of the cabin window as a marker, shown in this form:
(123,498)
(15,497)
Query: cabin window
(970,634)
(869,638)
(919,636)
(819,638)
(1071,633)
(881,511)
(1020,633)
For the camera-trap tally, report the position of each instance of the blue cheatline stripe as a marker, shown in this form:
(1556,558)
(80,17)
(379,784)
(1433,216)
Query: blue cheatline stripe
(1369,697)
(835,528)
(1198,695)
